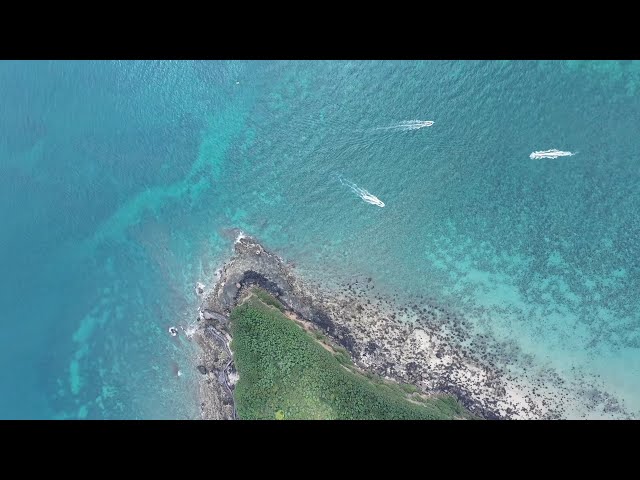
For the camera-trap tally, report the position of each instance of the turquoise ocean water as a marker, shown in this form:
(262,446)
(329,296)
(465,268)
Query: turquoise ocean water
(118,180)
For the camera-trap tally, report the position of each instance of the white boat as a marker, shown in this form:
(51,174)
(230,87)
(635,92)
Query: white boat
(372,199)
(553,153)
(361,192)
(406,125)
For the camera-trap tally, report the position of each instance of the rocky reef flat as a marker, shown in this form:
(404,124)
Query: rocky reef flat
(421,344)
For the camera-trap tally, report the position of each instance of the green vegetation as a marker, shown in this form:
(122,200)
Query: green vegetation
(267,298)
(286,374)
(409,388)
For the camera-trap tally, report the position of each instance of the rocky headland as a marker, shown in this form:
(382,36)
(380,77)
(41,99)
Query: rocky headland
(425,346)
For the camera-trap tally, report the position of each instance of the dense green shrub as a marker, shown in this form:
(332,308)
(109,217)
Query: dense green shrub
(409,388)
(284,373)
(267,298)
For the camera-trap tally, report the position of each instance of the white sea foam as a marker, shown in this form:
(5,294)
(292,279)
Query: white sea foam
(190,329)
(553,153)
(362,193)
(406,125)
(240,236)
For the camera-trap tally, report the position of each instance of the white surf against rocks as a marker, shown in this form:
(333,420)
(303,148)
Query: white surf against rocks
(407,125)
(362,193)
(553,153)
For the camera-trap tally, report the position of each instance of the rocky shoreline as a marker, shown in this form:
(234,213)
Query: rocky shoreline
(422,345)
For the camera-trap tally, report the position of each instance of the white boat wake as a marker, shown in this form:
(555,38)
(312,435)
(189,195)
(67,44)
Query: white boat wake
(362,193)
(407,125)
(553,153)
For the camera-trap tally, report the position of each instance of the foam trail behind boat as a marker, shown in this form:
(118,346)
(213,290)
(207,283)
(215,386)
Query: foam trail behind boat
(361,192)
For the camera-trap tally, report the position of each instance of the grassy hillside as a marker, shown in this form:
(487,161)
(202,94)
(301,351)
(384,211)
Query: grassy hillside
(286,374)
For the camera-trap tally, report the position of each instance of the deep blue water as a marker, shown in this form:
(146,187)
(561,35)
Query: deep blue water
(118,180)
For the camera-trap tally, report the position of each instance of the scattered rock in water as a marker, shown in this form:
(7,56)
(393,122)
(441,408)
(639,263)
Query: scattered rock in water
(199,288)
(202,369)
(173,331)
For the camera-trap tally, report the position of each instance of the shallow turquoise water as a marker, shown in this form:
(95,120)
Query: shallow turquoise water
(119,178)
